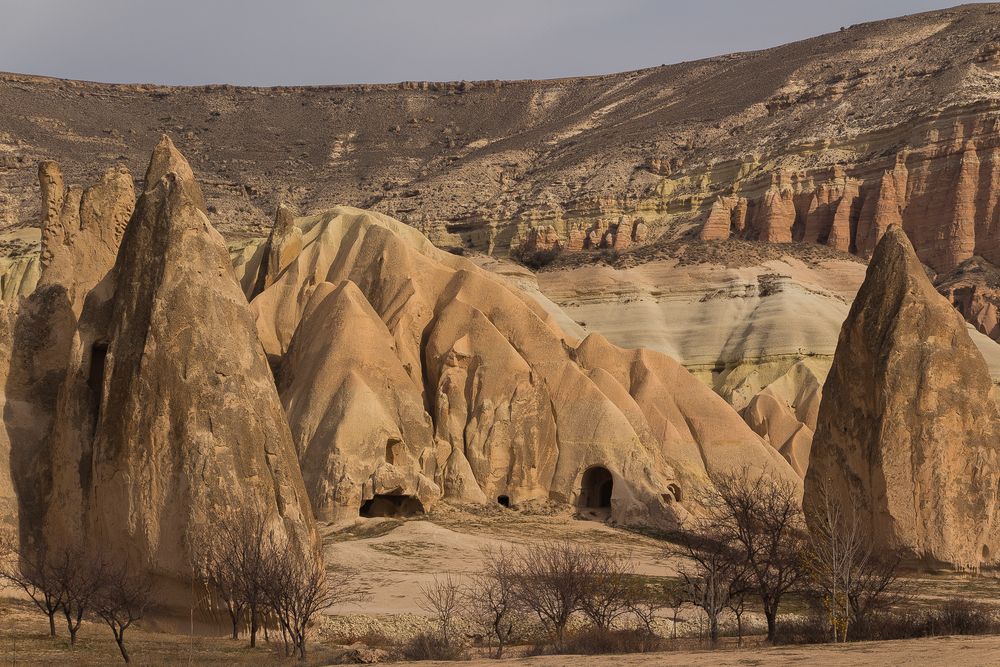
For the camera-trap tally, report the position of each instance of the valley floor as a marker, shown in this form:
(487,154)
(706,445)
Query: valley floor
(396,557)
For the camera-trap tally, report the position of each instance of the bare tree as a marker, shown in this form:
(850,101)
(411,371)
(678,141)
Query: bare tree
(239,565)
(223,573)
(612,590)
(674,596)
(738,590)
(492,595)
(843,568)
(711,568)
(444,600)
(553,583)
(32,572)
(760,516)
(121,600)
(80,579)
(299,587)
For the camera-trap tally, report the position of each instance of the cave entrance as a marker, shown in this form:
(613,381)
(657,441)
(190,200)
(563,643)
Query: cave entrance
(95,377)
(674,492)
(596,489)
(504,500)
(391,505)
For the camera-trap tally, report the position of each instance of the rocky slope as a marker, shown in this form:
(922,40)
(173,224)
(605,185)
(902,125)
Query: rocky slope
(906,429)
(400,376)
(760,327)
(825,140)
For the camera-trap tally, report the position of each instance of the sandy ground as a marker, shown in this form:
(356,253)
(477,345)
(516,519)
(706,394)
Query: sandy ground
(933,652)
(397,558)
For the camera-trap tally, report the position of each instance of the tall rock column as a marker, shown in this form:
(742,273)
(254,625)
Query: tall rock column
(81,231)
(169,418)
(907,430)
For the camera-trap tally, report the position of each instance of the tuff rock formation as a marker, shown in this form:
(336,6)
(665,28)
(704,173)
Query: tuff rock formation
(160,413)
(470,390)
(81,230)
(906,428)
(785,412)
(974,289)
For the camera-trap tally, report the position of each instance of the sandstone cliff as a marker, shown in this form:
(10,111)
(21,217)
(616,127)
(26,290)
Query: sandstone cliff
(906,428)
(974,289)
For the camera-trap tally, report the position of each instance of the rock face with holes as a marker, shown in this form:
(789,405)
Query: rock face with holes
(165,414)
(357,417)
(448,383)
(81,231)
(906,428)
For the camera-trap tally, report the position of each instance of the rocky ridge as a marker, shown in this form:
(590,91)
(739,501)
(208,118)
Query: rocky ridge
(825,140)
(215,388)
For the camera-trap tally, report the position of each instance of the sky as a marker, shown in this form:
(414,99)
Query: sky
(298,42)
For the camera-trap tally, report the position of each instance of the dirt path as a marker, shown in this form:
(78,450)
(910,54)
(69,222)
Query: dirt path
(933,652)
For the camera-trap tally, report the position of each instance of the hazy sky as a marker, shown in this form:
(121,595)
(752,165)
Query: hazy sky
(349,41)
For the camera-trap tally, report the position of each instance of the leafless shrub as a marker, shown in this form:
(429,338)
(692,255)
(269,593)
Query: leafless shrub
(120,600)
(431,646)
(612,589)
(299,587)
(32,572)
(845,573)
(759,518)
(80,580)
(711,572)
(553,582)
(491,597)
(237,566)
(444,600)
(595,641)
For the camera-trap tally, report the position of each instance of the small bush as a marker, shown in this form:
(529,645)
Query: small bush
(966,617)
(432,646)
(955,617)
(537,259)
(593,641)
(811,629)
(371,638)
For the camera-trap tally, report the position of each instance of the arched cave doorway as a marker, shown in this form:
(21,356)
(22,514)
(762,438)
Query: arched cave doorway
(596,489)
(391,505)
(503,501)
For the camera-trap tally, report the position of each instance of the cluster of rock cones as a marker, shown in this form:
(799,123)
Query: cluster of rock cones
(351,366)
